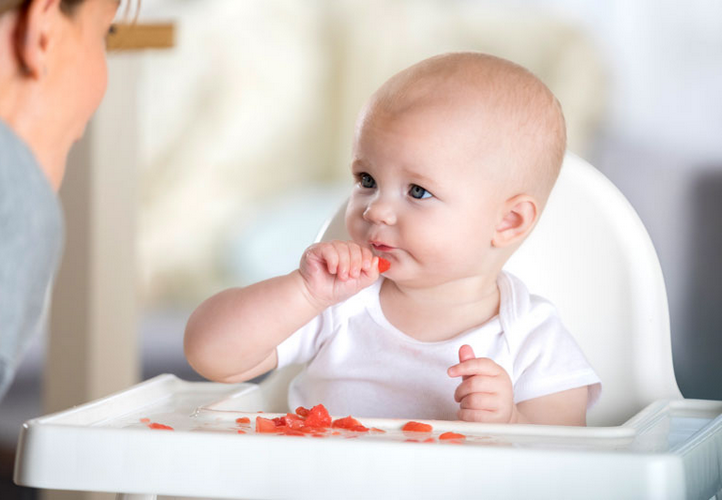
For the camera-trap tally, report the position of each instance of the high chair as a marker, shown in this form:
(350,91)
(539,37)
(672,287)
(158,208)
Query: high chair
(590,255)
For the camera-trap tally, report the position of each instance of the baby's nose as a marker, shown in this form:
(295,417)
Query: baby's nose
(380,211)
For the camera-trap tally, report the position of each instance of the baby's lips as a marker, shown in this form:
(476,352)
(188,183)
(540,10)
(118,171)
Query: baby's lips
(384,265)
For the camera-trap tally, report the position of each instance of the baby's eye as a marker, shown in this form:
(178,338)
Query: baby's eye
(418,192)
(367,181)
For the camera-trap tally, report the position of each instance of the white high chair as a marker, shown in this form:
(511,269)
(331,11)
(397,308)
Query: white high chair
(590,255)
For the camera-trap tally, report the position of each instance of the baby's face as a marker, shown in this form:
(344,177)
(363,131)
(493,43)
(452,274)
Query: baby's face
(424,198)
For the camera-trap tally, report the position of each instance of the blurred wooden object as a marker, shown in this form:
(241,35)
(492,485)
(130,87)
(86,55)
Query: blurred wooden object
(139,36)
(93,346)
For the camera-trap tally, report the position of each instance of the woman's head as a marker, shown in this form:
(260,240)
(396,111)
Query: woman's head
(53,72)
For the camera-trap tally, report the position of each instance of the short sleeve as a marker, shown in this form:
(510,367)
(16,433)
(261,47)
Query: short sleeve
(549,360)
(304,343)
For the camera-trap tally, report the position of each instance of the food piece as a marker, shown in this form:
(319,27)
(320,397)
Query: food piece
(302,412)
(265,425)
(293,421)
(145,420)
(291,432)
(243,420)
(346,423)
(158,426)
(376,429)
(452,435)
(416,427)
(384,265)
(318,417)
(241,431)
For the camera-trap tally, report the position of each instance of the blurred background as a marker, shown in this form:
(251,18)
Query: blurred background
(241,136)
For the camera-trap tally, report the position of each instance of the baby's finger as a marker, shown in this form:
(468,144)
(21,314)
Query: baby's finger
(343,259)
(476,415)
(480,401)
(476,366)
(475,384)
(355,260)
(367,257)
(329,255)
(466,352)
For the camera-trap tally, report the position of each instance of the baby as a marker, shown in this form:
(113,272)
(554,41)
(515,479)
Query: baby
(453,160)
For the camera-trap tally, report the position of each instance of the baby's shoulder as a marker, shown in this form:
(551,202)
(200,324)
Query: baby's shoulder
(523,314)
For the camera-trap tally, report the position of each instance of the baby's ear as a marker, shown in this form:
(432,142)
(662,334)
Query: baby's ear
(518,216)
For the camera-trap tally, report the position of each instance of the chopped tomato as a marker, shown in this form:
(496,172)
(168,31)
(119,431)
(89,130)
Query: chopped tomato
(384,265)
(318,417)
(265,425)
(451,435)
(416,427)
(155,425)
(145,420)
(301,411)
(243,420)
(346,423)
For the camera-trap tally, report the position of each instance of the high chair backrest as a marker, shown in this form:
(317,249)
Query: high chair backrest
(591,256)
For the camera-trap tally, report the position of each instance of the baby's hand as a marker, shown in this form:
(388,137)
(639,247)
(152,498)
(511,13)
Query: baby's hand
(485,393)
(334,271)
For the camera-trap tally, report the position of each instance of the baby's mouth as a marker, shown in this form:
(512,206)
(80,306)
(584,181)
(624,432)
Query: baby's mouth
(380,247)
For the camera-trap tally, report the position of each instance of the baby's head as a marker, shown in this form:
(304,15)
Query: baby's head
(455,158)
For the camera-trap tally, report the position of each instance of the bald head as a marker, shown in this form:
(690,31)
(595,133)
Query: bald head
(514,117)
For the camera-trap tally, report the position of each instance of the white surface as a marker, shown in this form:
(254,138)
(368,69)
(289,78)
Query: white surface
(667,451)
(591,256)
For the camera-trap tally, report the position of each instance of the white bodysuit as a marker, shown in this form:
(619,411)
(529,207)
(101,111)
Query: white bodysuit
(360,364)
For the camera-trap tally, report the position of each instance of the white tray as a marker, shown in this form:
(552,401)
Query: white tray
(671,449)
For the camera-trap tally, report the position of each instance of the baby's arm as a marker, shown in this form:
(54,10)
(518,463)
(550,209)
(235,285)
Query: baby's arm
(486,395)
(232,336)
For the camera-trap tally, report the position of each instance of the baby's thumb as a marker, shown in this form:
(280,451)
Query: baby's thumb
(466,353)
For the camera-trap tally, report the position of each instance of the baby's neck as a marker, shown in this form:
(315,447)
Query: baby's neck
(441,312)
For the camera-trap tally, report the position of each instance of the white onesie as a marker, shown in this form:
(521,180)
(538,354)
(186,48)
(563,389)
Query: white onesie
(360,364)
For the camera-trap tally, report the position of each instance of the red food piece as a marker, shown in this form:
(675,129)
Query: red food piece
(241,432)
(384,265)
(346,423)
(155,425)
(265,425)
(376,429)
(292,432)
(318,417)
(429,440)
(243,420)
(301,411)
(416,427)
(452,435)
(145,420)
(293,421)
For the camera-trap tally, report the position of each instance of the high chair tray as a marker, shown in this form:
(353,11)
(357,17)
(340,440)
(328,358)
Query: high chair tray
(671,449)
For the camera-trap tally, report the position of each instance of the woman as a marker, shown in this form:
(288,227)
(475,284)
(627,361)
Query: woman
(52,78)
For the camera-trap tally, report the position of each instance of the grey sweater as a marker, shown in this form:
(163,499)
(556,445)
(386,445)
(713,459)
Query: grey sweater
(31,241)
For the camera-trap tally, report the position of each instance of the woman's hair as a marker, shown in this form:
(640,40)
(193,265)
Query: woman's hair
(67,6)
